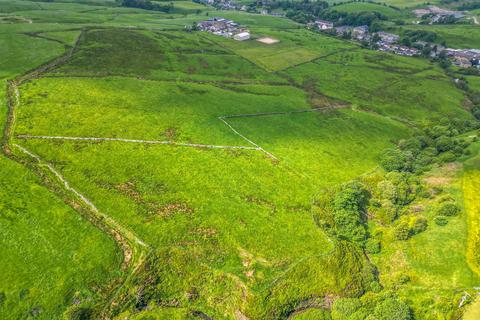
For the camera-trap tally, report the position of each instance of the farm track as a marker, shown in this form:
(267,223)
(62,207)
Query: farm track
(134,250)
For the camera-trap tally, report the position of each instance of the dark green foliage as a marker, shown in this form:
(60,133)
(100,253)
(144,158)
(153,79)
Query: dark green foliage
(345,308)
(419,224)
(448,209)
(420,35)
(400,188)
(146,4)
(444,143)
(441,220)
(402,231)
(392,309)
(372,246)
(80,312)
(394,160)
(349,206)
(439,143)
(3,298)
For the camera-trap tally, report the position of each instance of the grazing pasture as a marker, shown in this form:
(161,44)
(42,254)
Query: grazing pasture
(205,157)
(158,55)
(353,7)
(384,83)
(294,47)
(320,144)
(455,36)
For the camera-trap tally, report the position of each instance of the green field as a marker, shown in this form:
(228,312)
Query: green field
(386,84)
(455,36)
(159,173)
(389,12)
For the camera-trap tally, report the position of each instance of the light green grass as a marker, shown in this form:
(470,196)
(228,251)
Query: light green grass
(151,110)
(294,47)
(181,202)
(21,52)
(49,254)
(455,36)
(407,3)
(369,6)
(67,37)
(406,88)
(159,55)
(329,148)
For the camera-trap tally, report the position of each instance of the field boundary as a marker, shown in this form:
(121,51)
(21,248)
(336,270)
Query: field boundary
(161,142)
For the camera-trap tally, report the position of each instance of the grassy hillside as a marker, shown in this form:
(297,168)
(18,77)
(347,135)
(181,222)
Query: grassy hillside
(204,161)
(455,36)
(387,84)
(48,252)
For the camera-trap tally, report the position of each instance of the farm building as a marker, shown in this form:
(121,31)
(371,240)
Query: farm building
(324,25)
(242,36)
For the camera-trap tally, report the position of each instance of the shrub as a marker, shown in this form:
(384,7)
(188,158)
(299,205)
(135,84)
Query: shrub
(393,160)
(392,309)
(402,231)
(344,308)
(372,246)
(3,298)
(441,220)
(419,225)
(448,209)
(349,206)
(444,143)
(447,157)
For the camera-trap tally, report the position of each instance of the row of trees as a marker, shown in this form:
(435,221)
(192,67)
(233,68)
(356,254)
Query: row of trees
(146,4)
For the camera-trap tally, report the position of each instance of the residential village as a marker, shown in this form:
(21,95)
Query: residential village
(389,42)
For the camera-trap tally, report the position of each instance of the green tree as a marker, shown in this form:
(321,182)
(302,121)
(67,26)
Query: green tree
(392,309)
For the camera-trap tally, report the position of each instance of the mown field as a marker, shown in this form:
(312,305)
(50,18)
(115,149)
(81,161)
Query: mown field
(210,155)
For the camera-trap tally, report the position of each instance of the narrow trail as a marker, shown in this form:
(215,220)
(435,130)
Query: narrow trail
(166,142)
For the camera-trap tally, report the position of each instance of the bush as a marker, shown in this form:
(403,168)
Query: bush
(392,309)
(3,298)
(419,225)
(402,231)
(444,143)
(441,220)
(372,246)
(448,209)
(344,308)
(349,206)
(393,160)
(447,157)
